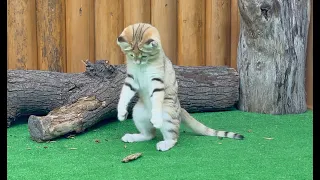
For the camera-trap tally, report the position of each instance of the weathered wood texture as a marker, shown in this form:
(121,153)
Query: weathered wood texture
(21,34)
(108,26)
(272,55)
(234,36)
(217,38)
(191,33)
(136,11)
(192,47)
(39,92)
(309,72)
(79,33)
(163,16)
(51,25)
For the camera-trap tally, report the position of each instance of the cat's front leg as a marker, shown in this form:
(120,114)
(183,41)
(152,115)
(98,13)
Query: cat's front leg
(157,97)
(129,89)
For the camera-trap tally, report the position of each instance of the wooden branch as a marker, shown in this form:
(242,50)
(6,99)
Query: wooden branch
(80,100)
(272,54)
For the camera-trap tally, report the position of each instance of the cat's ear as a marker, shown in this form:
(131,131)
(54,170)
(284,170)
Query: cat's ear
(151,43)
(122,42)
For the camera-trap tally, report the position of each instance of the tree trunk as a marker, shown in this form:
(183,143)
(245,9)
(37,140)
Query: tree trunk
(271,55)
(79,100)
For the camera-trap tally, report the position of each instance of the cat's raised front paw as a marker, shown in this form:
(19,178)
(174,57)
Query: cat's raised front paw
(157,121)
(122,115)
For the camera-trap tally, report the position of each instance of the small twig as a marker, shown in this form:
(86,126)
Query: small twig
(85,62)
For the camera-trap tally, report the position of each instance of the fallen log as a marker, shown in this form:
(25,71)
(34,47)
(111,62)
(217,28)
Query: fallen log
(79,100)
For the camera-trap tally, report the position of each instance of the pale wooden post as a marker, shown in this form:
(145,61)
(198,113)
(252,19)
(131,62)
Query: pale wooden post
(217,32)
(21,34)
(80,33)
(137,11)
(51,33)
(191,33)
(163,17)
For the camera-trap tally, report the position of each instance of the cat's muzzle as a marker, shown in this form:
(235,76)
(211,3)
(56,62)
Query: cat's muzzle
(137,61)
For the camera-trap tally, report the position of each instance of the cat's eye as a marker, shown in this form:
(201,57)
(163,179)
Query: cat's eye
(143,57)
(131,55)
(149,41)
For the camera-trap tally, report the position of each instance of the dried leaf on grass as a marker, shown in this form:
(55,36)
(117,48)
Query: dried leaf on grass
(131,157)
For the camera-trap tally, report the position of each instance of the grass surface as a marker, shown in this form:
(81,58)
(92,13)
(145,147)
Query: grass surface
(288,155)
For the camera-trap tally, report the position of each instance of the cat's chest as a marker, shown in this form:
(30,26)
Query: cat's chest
(143,78)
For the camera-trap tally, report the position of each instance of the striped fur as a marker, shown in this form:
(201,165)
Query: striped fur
(150,74)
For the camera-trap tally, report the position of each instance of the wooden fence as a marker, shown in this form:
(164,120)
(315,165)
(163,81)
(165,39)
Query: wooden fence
(56,35)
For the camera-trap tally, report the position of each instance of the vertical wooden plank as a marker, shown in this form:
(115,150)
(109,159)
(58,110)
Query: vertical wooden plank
(191,32)
(163,17)
(108,26)
(217,32)
(137,11)
(92,51)
(78,34)
(51,28)
(235,32)
(21,34)
(309,72)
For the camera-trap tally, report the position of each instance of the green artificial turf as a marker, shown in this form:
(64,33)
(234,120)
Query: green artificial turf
(275,147)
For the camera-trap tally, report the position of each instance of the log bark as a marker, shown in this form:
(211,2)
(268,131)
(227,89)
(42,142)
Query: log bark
(79,100)
(272,54)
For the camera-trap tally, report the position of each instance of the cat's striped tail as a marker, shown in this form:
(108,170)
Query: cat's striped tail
(201,129)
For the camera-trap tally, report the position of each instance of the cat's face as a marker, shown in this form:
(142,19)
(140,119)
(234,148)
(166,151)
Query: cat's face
(140,43)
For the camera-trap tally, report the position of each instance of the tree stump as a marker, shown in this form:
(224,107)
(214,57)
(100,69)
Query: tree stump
(76,101)
(272,54)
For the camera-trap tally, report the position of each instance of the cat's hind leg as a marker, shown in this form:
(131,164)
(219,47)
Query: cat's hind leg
(141,118)
(170,132)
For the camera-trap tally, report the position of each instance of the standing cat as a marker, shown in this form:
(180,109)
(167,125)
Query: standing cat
(151,74)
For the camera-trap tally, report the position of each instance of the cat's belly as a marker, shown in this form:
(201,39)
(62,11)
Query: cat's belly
(145,99)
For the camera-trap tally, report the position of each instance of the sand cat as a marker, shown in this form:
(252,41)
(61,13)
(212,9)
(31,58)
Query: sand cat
(151,74)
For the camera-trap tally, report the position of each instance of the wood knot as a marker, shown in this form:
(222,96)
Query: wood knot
(265,11)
